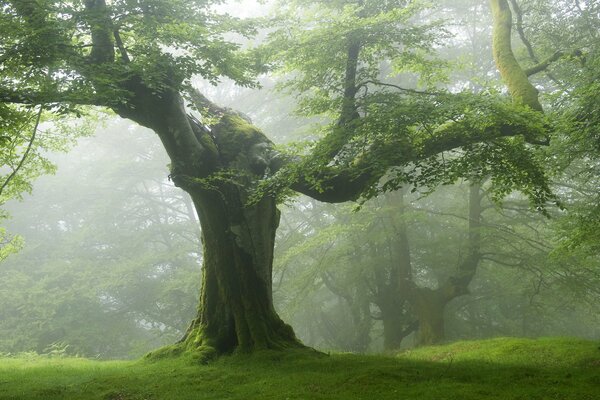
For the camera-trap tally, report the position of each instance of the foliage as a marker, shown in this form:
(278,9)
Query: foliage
(8,244)
(49,51)
(26,141)
(422,134)
(311,47)
(572,91)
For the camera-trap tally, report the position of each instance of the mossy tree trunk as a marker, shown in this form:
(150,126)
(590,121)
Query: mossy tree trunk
(513,74)
(236,307)
(397,325)
(430,306)
(219,166)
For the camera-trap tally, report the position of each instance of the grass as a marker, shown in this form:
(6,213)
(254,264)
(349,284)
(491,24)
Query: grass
(504,368)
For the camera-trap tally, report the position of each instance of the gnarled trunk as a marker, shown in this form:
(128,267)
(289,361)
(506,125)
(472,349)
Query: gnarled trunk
(236,307)
(393,330)
(219,166)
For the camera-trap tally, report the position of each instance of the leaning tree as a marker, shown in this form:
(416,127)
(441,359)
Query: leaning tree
(137,58)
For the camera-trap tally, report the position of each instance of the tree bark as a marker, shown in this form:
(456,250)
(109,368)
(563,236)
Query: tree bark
(521,90)
(429,306)
(236,306)
(219,167)
(396,327)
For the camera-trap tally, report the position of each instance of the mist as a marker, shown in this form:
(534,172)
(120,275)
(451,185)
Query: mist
(415,197)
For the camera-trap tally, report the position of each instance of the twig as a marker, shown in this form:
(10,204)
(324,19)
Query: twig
(378,83)
(27,151)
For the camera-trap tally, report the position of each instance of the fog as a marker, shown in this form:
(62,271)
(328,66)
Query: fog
(111,255)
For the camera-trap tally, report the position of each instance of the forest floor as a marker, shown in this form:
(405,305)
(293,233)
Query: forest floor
(503,368)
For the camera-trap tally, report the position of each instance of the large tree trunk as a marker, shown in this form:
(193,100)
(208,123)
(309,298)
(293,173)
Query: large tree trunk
(394,330)
(219,166)
(236,306)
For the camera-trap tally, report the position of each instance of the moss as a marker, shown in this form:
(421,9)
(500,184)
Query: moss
(202,354)
(235,136)
(521,90)
(170,351)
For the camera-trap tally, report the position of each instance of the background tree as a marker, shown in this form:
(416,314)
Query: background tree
(114,281)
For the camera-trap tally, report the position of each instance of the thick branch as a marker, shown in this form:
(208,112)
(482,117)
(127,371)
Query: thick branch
(203,104)
(544,65)
(521,90)
(338,184)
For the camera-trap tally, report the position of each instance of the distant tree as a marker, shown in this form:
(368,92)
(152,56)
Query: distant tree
(24,145)
(137,59)
(114,280)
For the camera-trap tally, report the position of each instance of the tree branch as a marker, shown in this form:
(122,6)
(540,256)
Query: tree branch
(340,184)
(521,31)
(121,47)
(27,151)
(402,89)
(521,90)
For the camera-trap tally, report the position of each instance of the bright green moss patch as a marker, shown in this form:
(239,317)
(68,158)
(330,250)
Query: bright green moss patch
(490,369)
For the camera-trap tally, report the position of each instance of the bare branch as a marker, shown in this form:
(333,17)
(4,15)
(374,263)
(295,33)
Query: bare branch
(521,31)
(402,89)
(543,66)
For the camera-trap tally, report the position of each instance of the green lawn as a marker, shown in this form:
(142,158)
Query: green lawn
(491,369)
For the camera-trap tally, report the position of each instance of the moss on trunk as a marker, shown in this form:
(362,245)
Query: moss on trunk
(236,312)
(521,90)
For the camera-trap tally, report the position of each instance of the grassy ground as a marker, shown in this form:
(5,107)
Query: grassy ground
(491,369)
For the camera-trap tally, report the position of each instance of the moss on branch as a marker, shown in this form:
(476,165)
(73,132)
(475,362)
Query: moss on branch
(521,90)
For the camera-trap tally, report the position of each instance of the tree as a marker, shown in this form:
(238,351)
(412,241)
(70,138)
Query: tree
(23,156)
(400,261)
(137,59)
(114,280)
